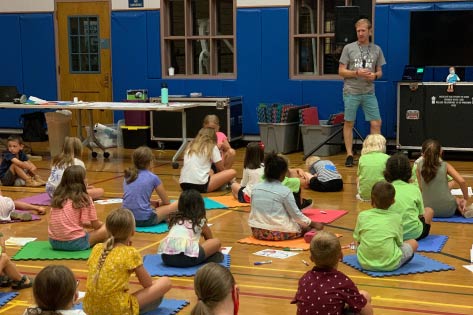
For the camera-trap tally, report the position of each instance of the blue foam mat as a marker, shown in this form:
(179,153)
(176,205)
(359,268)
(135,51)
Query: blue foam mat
(455,219)
(156,229)
(155,267)
(167,307)
(432,243)
(6,297)
(418,264)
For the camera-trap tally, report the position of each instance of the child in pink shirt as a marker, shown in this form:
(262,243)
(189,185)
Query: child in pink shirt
(227,152)
(72,210)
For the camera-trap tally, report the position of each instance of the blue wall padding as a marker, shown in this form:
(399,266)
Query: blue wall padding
(153,43)
(38,55)
(249,63)
(10,54)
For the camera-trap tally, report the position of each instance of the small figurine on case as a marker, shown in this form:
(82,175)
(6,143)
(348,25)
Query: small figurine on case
(452,78)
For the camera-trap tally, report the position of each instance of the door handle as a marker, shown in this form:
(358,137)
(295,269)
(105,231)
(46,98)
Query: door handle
(106,81)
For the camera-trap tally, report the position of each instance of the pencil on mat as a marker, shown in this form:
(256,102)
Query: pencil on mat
(262,262)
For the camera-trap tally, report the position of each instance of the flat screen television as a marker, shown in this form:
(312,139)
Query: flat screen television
(441,38)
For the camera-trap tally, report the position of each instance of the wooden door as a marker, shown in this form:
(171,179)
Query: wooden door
(83,41)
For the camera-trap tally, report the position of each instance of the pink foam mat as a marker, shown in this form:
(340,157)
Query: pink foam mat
(323,215)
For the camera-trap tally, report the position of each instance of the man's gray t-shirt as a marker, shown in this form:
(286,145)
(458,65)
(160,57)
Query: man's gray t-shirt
(356,57)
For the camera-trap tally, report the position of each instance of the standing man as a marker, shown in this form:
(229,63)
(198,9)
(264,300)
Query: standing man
(360,65)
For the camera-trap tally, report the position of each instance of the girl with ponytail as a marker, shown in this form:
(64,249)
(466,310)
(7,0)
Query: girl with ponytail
(216,291)
(432,176)
(110,266)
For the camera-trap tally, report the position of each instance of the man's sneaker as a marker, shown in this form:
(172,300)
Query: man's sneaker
(306,203)
(38,179)
(23,216)
(468,212)
(349,161)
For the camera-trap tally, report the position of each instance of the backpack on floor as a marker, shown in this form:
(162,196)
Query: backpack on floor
(34,127)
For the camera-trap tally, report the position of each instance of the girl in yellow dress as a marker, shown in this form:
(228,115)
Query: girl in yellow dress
(110,267)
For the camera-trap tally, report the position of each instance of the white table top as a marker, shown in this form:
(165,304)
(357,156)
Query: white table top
(173,106)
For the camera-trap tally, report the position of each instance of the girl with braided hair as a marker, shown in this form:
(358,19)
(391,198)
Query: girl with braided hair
(181,247)
(110,266)
(55,291)
(216,291)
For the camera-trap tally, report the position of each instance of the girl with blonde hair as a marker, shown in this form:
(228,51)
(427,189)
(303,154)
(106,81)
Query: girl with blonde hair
(110,267)
(371,164)
(196,172)
(70,155)
(138,187)
(216,290)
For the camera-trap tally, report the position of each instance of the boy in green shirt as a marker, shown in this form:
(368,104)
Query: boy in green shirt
(379,233)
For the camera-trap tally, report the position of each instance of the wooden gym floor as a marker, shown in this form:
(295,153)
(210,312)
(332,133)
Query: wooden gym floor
(268,289)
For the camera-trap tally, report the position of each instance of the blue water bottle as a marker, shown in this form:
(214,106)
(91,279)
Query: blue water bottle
(164,93)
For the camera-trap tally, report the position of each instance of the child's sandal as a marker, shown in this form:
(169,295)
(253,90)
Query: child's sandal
(21,284)
(5,281)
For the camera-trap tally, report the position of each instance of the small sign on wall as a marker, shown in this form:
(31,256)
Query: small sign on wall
(135,3)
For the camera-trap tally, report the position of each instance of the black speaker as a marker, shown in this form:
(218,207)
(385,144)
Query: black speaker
(345,19)
(366,8)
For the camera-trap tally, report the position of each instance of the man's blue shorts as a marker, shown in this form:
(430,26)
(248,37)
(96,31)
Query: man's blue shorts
(368,103)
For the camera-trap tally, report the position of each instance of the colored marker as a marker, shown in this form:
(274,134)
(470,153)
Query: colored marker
(305,262)
(323,212)
(289,249)
(256,263)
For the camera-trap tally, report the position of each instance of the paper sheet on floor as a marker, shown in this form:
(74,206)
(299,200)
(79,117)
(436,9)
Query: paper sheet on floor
(274,253)
(458,192)
(19,241)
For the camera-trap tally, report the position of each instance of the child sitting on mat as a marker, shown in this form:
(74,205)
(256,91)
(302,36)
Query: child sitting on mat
(110,267)
(274,214)
(8,206)
(253,169)
(416,219)
(371,165)
(324,175)
(379,233)
(70,155)
(432,174)
(196,172)
(55,291)
(227,152)
(335,291)
(72,210)
(9,274)
(181,247)
(16,169)
(216,290)
(138,187)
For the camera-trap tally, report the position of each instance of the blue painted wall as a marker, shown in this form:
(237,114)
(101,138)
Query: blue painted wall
(262,61)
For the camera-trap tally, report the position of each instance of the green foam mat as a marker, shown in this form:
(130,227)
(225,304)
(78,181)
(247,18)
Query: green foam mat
(42,250)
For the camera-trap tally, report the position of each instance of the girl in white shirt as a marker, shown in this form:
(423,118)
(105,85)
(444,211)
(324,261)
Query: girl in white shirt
(196,172)
(253,169)
(71,152)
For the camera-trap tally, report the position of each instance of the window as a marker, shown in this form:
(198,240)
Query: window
(313,51)
(198,37)
(84,54)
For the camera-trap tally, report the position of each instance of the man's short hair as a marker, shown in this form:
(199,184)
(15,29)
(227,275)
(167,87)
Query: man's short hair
(382,195)
(325,249)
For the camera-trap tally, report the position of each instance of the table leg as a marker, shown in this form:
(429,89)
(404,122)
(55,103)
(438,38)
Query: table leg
(179,151)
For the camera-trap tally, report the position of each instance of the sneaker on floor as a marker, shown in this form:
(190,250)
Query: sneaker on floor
(32,183)
(468,213)
(306,203)
(349,161)
(38,179)
(23,216)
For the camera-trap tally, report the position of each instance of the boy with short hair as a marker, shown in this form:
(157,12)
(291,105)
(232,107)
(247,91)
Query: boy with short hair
(15,165)
(379,233)
(324,289)
(324,175)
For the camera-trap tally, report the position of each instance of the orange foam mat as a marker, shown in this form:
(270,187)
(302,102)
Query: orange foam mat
(229,201)
(297,243)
